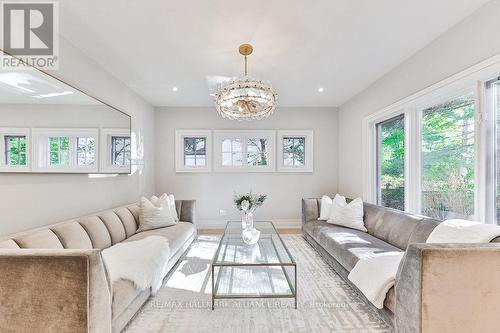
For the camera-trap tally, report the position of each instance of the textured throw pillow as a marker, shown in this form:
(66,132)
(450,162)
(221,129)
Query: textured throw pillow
(348,215)
(152,216)
(326,206)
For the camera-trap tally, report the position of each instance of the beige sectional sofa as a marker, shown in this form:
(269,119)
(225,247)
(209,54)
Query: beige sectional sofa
(52,279)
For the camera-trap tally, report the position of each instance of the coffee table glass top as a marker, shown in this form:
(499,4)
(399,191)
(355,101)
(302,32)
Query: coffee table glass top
(269,250)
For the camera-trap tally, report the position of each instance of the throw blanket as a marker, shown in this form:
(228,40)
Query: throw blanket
(375,275)
(141,262)
(463,231)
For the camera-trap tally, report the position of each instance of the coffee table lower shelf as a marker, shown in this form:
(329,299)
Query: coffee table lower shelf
(254,281)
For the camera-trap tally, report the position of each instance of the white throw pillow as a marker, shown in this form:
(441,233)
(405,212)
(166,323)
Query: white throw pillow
(152,216)
(349,215)
(326,206)
(159,201)
(166,199)
(173,209)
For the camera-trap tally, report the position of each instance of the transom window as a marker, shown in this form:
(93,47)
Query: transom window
(257,150)
(245,150)
(15,150)
(64,149)
(58,150)
(195,151)
(85,151)
(232,152)
(120,150)
(294,151)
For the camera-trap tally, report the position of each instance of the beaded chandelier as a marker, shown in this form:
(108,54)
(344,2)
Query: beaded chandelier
(245,98)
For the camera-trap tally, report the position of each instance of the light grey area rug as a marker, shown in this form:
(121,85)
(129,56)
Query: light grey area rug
(326,303)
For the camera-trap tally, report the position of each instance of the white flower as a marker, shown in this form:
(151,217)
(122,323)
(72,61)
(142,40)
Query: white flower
(245,204)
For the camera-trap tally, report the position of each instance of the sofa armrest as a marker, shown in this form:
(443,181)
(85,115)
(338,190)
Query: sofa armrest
(310,209)
(187,210)
(53,290)
(448,288)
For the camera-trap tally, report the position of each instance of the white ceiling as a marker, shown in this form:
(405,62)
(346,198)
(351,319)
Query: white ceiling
(299,45)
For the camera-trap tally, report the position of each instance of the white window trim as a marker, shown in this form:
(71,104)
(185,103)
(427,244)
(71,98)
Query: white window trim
(220,135)
(15,132)
(105,162)
(40,149)
(472,79)
(179,150)
(309,150)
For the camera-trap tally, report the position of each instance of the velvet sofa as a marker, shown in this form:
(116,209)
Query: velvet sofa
(439,287)
(52,279)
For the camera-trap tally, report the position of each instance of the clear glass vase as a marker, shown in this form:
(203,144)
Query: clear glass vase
(247,221)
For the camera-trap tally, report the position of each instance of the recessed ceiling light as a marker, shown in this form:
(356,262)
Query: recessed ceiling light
(321,89)
(175,89)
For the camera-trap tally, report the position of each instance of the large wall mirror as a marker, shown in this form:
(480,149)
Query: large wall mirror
(47,126)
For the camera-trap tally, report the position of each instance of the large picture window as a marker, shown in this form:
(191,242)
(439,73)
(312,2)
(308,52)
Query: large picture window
(448,159)
(391,163)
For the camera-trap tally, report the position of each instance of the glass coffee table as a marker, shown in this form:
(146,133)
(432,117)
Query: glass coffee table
(262,270)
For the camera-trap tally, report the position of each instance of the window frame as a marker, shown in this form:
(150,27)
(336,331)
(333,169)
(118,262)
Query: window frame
(472,79)
(308,135)
(105,149)
(179,150)
(5,132)
(244,135)
(41,150)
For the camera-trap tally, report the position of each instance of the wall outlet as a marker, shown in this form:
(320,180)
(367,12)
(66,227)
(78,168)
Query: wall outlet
(222,212)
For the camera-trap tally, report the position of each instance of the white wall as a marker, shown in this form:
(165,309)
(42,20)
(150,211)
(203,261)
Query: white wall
(28,201)
(470,42)
(214,191)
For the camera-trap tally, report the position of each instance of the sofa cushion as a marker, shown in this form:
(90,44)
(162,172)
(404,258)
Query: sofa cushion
(97,231)
(177,234)
(72,236)
(114,226)
(8,244)
(40,239)
(346,245)
(390,225)
(135,210)
(128,220)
